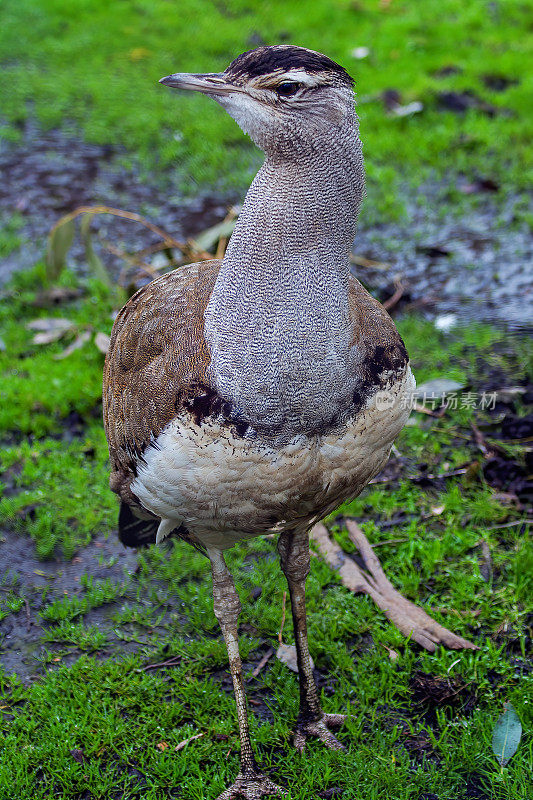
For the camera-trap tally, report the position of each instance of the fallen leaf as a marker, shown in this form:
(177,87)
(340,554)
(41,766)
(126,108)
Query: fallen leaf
(393,655)
(436,389)
(93,260)
(360,52)
(208,238)
(76,344)
(162,746)
(78,755)
(48,338)
(437,510)
(286,653)
(102,340)
(59,242)
(506,734)
(406,111)
(185,742)
(51,329)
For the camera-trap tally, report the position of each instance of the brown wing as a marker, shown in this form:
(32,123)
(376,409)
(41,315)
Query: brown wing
(157,361)
(376,335)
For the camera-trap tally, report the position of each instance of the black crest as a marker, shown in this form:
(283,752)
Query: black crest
(264,60)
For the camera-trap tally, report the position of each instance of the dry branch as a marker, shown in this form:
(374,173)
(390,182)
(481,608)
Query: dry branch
(411,620)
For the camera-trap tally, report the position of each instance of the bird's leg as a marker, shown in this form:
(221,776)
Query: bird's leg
(293,549)
(251,783)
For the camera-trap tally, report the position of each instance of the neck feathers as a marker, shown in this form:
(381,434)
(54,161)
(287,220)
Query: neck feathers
(277,323)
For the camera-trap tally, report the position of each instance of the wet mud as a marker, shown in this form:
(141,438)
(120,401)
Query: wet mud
(48,175)
(22,648)
(473,261)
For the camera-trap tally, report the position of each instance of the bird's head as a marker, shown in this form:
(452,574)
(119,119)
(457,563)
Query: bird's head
(288,99)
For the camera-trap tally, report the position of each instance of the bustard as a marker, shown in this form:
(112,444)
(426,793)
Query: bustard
(241,396)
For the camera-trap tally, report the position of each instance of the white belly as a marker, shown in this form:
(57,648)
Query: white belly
(224,488)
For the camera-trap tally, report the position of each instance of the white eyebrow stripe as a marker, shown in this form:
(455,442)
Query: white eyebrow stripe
(301,76)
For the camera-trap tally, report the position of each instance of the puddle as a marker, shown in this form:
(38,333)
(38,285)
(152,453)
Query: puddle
(476,264)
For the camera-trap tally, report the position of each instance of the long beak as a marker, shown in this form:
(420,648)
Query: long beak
(207,83)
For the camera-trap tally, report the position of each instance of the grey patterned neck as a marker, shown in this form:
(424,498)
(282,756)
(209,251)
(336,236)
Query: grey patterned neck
(277,323)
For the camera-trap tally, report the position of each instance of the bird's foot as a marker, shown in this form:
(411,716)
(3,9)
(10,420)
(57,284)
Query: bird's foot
(319,729)
(252,786)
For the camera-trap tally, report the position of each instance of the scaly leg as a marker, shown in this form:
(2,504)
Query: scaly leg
(293,549)
(251,783)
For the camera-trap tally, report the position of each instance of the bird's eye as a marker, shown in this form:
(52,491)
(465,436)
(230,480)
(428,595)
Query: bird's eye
(287,88)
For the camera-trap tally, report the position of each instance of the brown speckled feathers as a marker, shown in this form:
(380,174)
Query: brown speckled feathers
(158,360)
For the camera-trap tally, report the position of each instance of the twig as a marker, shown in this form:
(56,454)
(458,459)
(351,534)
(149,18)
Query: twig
(411,620)
(395,298)
(389,541)
(185,742)
(361,261)
(171,662)
(28,618)
(423,410)
(485,568)
(264,661)
(510,524)
(221,247)
(117,212)
(450,474)
(280,640)
(130,258)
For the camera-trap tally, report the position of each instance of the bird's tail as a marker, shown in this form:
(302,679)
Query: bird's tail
(134,531)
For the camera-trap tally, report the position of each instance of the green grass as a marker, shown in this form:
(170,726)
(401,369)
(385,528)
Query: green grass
(94,694)
(94,66)
(95,723)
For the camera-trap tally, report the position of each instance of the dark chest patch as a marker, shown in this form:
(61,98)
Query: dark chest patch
(206,402)
(385,359)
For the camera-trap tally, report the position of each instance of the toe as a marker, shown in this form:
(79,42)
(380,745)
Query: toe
(328,738)
(334,720)
(252,787)
(319,729)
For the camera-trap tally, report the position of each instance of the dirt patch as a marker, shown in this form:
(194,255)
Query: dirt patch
(51,174)
(39,582)
(475,788)
(471,263)
(431,693)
